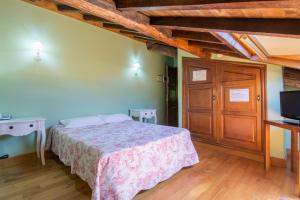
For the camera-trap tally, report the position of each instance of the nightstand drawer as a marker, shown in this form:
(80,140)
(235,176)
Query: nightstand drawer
(18,129)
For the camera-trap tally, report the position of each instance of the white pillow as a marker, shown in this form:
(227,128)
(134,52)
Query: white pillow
(82,122)
(114,118)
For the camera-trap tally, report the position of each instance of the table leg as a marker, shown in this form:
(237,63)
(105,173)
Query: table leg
(155,119)
(298,177)
(38,143)
(267,147)
(294,150)
(43,142)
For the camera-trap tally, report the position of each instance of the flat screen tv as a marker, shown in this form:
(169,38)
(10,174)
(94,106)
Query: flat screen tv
(290,104)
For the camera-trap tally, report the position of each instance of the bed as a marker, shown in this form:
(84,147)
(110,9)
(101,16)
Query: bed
(120,159)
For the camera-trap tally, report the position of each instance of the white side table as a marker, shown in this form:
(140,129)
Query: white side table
(21,127)
(142,114)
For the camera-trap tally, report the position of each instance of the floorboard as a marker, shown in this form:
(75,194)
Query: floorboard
(218,176)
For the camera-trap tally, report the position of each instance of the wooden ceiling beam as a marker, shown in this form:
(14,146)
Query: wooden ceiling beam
(147,39)
(205,45)
(196,36)
(145,5)
(106,10)
(260,26)
(93,18)
(251,45)
(162,49)
(135,34)
(118,27)
(280,61)
(65,8)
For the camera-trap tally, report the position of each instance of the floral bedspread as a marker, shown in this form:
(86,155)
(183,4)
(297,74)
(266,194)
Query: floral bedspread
(118,160)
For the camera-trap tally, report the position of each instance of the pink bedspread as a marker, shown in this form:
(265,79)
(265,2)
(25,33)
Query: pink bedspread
(118,160)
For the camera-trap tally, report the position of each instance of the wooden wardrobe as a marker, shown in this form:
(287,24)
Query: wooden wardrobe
(224,103)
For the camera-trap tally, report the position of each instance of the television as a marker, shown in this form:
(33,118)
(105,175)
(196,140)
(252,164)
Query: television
(290,104)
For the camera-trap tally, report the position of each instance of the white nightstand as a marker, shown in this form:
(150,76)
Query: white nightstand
(142,114)
(21,127)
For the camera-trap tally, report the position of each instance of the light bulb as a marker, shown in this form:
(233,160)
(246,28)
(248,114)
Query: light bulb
(38,46)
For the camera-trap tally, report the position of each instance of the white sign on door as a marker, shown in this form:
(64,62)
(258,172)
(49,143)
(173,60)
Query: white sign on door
(239,95)
(199,75)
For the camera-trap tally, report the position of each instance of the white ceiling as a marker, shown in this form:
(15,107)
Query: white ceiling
(279,46)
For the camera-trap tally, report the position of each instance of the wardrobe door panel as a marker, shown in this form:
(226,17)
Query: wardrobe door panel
(242,128)
(199,94)
(240,107)
(201,124)
(200,98)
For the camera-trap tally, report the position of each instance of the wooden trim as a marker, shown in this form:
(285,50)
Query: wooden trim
(276,162)
(267,150)
(264,105)
(29,157)
(251,156)
(183,106)
(284,125)
(17,159)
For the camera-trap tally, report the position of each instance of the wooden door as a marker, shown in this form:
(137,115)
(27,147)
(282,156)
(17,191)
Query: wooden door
(240,99)
(199,91)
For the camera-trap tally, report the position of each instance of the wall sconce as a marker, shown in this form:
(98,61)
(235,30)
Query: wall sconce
(38,47)
(136,68)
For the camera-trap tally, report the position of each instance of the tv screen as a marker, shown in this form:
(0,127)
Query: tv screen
(290,104)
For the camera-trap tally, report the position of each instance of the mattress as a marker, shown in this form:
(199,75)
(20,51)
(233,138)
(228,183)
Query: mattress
(118,160)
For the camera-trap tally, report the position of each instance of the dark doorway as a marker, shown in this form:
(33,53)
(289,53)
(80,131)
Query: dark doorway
(171,96)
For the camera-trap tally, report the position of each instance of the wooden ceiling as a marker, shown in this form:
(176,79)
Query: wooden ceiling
(200,27)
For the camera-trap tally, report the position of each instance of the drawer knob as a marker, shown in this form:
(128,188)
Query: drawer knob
(31,125)
(11,127)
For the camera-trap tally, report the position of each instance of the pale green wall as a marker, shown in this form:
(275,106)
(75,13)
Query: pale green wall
(84,70)
(274,86)
(180,55)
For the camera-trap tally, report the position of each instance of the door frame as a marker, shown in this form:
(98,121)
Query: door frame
(262,67)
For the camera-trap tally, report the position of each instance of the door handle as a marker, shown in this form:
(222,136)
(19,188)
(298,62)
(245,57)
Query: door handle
(258,97)
(213,97)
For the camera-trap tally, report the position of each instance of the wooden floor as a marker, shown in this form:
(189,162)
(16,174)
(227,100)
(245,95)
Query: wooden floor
(218,176)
